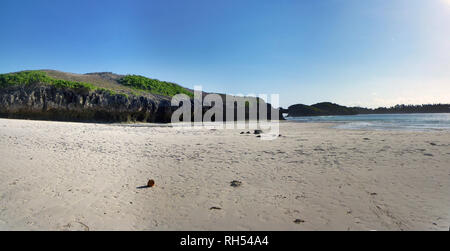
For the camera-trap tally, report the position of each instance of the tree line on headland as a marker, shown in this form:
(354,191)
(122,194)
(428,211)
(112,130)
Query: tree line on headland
(327,109)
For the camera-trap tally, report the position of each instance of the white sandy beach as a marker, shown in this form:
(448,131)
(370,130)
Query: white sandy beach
(75,176)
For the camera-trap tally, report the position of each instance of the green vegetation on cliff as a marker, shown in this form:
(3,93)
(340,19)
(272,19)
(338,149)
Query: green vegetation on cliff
(137,84)
(154,86)
(33,77)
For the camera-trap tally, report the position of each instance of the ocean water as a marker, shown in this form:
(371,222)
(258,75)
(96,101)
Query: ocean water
(414,122)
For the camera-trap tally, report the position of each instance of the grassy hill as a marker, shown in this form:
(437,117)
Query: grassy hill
(104,81)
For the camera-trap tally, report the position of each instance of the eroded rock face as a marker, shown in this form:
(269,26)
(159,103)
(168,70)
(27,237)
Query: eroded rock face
(48,102)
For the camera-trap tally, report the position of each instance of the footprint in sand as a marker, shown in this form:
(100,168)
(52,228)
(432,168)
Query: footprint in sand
(75,226)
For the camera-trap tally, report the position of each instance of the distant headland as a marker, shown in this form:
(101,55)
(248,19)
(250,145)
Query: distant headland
(328,109)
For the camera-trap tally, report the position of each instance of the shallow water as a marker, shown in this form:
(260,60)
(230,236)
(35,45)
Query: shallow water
(414,121)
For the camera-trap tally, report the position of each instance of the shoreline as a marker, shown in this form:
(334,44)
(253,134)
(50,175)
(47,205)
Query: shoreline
(420,122)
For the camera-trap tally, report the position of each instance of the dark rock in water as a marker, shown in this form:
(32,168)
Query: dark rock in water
(428,154)
(433,144)
(215,208)
(242,133)
(257,132)
(236,183)
(298,221)
(249,133)
(259,136)
(366,139)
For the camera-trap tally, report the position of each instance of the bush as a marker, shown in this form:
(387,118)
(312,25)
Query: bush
(154,86)
(34,77)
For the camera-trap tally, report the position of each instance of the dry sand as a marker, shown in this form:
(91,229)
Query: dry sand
(75,176)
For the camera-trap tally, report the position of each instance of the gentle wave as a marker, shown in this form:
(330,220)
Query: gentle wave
(416,121)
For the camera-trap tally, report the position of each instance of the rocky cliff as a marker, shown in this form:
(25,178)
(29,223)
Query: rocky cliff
(51,95)
(41,101)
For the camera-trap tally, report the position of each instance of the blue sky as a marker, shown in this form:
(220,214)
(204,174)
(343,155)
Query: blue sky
(352,52)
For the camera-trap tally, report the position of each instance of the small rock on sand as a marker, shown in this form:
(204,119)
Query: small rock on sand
(298,221)
(236,183)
